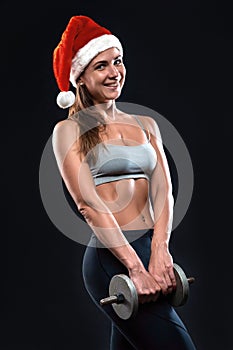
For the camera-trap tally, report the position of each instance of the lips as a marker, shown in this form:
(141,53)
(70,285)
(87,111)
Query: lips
(114,85)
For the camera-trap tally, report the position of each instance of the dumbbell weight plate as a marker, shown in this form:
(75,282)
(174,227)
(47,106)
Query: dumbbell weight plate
(180,295)
(124,284)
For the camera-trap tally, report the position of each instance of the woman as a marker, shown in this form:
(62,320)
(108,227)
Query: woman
(114,167)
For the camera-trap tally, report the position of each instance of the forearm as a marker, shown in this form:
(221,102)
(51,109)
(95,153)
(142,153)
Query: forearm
(163,217)
(161,261)
(108,232)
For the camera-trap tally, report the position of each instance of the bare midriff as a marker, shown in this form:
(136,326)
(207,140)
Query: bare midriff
(129,202)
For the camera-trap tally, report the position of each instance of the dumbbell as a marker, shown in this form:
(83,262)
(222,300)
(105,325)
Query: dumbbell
(124,298)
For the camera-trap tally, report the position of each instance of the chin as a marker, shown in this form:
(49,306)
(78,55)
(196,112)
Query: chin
(109,97)
(113,96)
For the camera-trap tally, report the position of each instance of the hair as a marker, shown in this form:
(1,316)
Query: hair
(89,121)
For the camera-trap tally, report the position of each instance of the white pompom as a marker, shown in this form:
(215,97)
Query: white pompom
(65,99)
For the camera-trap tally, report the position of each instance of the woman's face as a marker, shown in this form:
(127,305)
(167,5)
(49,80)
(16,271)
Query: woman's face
(104,76)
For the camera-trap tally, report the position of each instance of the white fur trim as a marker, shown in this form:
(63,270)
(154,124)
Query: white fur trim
(84,56)
(65,99)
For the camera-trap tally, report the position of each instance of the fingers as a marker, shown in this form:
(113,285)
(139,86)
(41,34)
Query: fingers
(168,282)
(172,277)
(166,279)
(149,290)
(149,287)
(147,295)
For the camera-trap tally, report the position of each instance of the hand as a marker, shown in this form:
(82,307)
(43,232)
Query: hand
(161,268)
(147,288)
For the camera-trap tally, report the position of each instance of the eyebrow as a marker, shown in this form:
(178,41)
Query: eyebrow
(105,61)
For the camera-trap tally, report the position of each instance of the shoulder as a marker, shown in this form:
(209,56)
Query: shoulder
(64,126)
(149,124)
(65,136)
(66,129)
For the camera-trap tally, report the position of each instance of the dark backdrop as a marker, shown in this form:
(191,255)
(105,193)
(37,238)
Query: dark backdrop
(178,56)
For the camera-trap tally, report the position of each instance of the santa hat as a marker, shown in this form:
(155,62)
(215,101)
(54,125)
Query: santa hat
(81,41)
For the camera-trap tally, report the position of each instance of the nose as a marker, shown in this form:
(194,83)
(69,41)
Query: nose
(113,71)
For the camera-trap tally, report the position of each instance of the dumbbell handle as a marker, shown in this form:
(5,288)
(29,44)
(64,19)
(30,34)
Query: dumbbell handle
(119,298)
(190,280)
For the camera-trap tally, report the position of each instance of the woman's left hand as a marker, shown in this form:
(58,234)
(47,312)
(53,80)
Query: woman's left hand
(161,268)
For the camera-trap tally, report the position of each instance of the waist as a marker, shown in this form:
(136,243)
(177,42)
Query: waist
(129,202)
(132,236)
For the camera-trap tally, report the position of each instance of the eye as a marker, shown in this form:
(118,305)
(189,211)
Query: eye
(118,62)
(101,66)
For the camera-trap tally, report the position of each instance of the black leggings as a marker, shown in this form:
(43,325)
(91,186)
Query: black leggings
(156,325)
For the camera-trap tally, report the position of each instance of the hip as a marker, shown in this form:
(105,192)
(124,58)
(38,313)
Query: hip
(98,259)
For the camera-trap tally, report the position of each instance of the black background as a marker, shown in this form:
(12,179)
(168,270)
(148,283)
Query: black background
(178,56)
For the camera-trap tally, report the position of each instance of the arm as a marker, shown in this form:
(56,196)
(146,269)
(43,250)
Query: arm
(79,182)
(161,262)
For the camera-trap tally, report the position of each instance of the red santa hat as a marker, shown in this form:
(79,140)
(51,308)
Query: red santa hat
(81,41)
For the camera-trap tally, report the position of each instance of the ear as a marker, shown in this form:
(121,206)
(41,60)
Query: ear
(79,82)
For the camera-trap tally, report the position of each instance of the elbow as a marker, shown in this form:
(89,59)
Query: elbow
(86,201)
(92,210)
(86,209)
(168,190)
(170,197)
(171,204)
(163,191)
(169,200)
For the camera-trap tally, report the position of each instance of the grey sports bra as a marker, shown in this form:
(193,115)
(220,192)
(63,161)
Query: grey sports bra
(116,162)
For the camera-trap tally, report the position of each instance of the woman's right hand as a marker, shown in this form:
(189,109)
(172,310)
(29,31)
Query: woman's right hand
(147,288)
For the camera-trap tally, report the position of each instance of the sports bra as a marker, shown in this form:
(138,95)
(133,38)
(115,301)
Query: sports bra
(116,162)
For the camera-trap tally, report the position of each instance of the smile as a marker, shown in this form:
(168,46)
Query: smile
(112,85)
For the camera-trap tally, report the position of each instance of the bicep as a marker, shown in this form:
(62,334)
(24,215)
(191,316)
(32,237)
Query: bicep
(74,171)
(161,175)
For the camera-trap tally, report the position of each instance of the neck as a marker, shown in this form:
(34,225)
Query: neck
(108,110)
